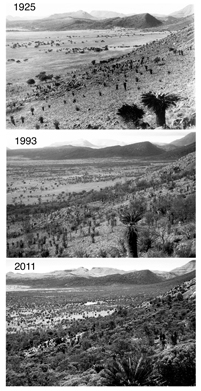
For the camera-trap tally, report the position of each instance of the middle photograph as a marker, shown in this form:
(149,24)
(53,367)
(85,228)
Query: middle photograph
(114,194)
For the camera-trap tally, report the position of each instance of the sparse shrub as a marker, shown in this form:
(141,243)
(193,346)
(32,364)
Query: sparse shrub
(102,253)
(41,119)
(77,108)
(31,82)
(176,366)
(32,110)
(12,119)
(56,124)
(22,119)
(131,113)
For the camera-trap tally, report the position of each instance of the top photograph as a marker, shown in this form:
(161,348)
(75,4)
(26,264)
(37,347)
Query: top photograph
(100,65)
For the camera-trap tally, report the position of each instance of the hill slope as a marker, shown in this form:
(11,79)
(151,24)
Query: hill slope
(186,140)
(143,149)
(184,12)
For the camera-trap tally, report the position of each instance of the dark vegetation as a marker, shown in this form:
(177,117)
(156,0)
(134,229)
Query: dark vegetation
(150,214)
(149,340)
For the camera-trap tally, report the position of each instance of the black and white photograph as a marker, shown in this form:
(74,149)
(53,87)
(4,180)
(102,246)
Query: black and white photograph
(74,323)
(100,65)
(125,194)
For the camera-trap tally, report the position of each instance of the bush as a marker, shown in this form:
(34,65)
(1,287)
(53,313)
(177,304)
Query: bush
(31,81)
(176,367)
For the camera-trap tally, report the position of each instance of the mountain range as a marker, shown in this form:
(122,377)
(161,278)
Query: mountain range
(137,150)
(98,20)
(103,143)
(98,276)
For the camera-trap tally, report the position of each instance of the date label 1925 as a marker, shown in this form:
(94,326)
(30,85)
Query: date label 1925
(25,6)
(24,266)
(26,140)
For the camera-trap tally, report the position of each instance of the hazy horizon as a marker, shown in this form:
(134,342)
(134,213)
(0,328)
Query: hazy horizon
(45,9)
(121,264)
(127,136)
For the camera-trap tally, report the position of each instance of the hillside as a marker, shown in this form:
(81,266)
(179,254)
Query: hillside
(184,12)
(186,140)
(176,153)
(89,97)
(187,268)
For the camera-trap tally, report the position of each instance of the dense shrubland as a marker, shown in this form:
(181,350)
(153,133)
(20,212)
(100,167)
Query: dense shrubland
(149,343)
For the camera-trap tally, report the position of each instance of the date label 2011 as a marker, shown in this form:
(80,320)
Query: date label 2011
(25,6)
(26,140)
(24,266)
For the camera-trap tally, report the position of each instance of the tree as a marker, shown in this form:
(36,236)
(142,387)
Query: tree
(130,216)
(131,113)
(159,103)
(133,371)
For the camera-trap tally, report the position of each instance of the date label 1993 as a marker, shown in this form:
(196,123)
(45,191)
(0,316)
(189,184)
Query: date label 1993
(24,266)
(25,7)
(26,140)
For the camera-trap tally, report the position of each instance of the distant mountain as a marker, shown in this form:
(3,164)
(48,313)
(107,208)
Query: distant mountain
(107,14)
(76,15)
(138,150)
(107,143)
(78,143)
(187,268)
(165,147)
(97,276)
(184,12)
(186,140)
(81,21)
(176,153)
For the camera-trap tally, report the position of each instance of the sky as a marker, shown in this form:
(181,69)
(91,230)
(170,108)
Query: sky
(128,136)
(43,266)
(48,7)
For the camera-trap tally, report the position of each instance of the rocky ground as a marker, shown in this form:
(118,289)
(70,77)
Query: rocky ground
(90,97)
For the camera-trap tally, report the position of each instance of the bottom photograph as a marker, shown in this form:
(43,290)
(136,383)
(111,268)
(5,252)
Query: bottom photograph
(125,322)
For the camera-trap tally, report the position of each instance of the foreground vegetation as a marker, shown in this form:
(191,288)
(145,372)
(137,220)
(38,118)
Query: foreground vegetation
(100,80)
(148,340)
(148,212)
